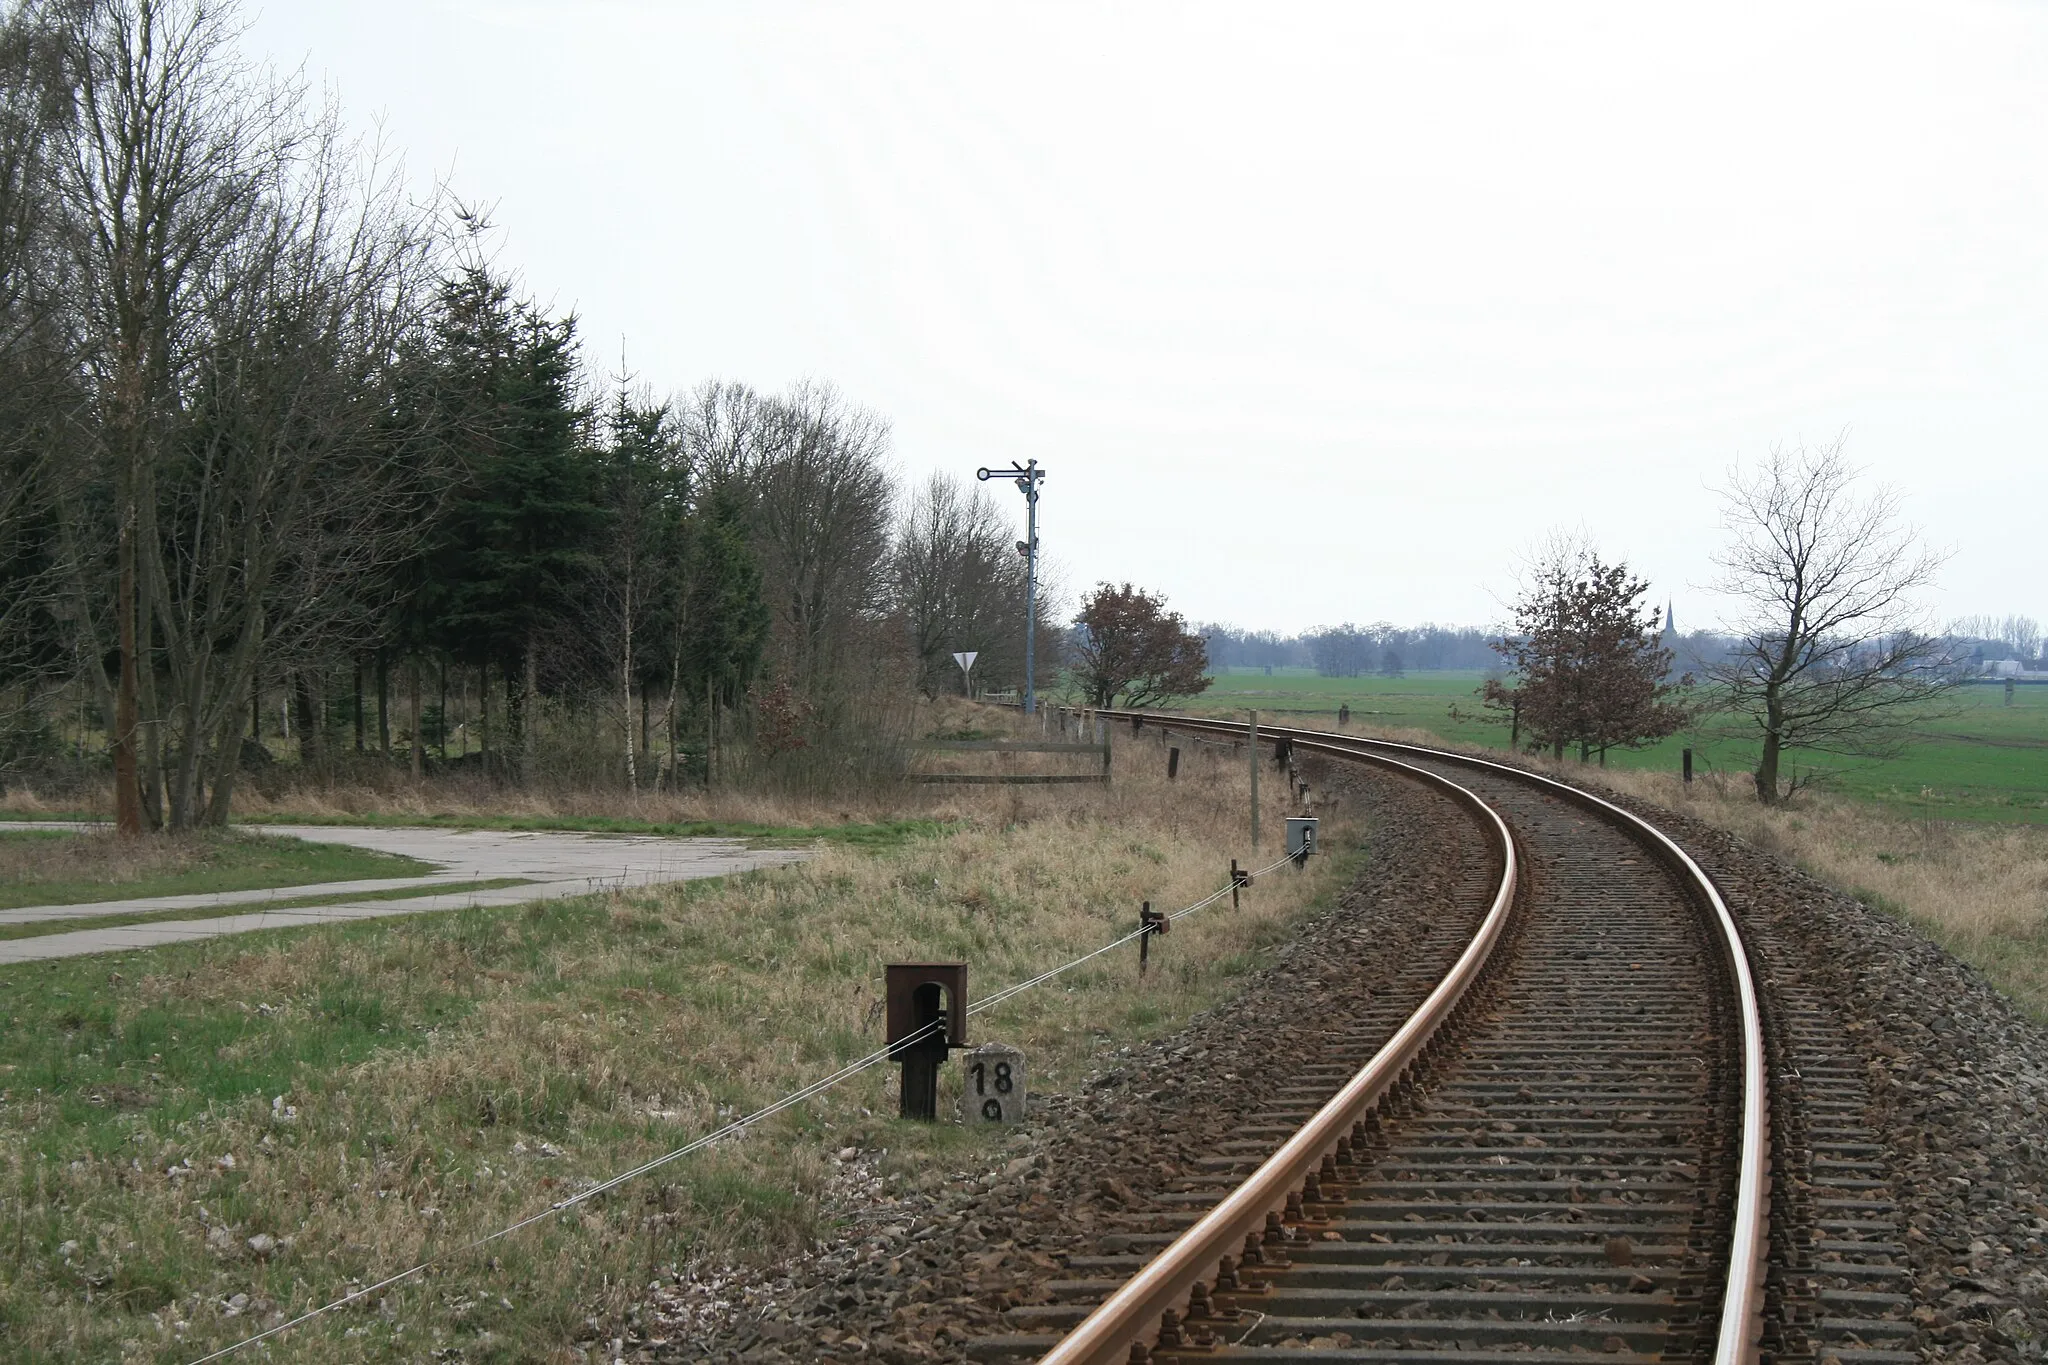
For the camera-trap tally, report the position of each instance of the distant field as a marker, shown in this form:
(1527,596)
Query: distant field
(1988,763)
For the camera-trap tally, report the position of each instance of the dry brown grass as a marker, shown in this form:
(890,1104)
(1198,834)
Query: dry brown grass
(38,856)
(389,1091)
(1979,890)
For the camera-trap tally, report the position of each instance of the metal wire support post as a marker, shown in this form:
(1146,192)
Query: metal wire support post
(1150,922)
(1027,477)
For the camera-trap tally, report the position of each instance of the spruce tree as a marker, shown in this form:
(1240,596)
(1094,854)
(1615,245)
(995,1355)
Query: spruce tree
(520,540)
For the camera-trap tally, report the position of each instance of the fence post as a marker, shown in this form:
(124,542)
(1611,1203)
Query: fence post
(1172,764)
(1252,747)
(1688,767)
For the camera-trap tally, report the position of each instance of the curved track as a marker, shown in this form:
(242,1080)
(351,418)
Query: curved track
(1561,1152)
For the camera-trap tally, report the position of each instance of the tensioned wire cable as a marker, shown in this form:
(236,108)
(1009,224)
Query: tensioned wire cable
(737,1126)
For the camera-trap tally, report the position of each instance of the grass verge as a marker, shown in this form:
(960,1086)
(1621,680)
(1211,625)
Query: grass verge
(1979,890)
(875,834)
(39,928)
(199,1139)
(856,834)
(54,867)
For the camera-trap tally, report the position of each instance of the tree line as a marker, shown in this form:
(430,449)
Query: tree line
(283,451)
(1350,650)
(1830,656)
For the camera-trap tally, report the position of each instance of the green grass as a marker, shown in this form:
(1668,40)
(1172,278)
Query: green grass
(40,928)
(105,870)
(1989,762)
(879,835)
(389,1090)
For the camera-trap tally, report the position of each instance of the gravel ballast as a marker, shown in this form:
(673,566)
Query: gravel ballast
(1956,1079)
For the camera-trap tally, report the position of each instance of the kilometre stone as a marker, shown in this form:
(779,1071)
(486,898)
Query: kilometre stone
(992,1089)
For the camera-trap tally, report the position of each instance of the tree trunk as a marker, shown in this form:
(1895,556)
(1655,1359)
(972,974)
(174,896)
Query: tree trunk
(673,765)
(529,712)
(1767,770)
(483,704)
(151,715)
(626,694)
(383,705)
(127,778)
(359,703)
(419,747)
(309,722)
(227,763)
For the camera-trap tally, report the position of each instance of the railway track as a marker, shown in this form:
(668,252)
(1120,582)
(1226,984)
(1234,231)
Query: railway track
(1548,1137)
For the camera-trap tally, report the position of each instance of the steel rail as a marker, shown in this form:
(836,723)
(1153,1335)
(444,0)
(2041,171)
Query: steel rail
(1135,1310)
(1742,1302)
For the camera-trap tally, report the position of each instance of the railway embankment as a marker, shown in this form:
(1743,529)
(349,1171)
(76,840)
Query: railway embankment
(1957,1080)
(1916,1181)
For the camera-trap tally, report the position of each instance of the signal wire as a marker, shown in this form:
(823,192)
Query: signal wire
(731,1129)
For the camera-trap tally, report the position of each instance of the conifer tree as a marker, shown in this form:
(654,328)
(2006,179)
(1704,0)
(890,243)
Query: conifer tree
(519,541)
(645,487)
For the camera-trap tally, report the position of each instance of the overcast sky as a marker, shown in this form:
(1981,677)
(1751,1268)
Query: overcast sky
(1313,313)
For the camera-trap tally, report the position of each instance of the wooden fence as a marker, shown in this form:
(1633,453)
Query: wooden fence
(1013,746)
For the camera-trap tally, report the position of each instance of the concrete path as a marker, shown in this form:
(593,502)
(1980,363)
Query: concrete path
(555,864)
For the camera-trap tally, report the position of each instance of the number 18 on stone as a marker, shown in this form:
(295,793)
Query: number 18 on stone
(994,1085)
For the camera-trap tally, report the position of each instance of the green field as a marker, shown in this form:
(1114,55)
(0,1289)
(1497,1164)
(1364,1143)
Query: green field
(1990,762)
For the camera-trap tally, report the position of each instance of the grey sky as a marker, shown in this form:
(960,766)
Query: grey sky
(1313,313)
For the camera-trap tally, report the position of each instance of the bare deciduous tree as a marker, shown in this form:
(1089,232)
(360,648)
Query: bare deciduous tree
(247,280)
(1834,656)
(2020,634)
(822,499)
(34,380)
(959,585)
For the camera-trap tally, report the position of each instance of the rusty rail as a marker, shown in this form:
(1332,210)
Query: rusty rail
(1135,1310)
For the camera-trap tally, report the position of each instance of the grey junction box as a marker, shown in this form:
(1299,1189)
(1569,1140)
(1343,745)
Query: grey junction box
(1301,837)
